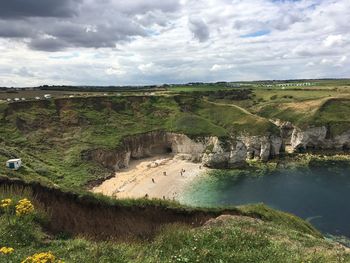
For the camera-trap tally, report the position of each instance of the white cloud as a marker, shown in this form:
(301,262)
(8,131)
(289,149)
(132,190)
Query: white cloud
(217,67)
(115,71)
(332,40)
(146,68)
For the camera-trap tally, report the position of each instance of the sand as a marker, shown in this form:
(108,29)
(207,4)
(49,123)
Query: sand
(136,181)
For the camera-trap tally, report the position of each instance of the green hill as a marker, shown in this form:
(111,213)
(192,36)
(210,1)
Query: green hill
(51,135)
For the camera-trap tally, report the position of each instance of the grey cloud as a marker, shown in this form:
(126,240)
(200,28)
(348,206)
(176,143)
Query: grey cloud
(24,72)
(141,6)
(38,8)
(103,35)
(17,29)
(199,29)
(52,25)
(47,44)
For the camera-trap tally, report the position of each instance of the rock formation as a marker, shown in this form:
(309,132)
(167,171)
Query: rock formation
(316,138)
(312,137)
(211,151)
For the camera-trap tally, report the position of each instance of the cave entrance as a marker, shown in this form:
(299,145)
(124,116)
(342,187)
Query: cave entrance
(160,149)
(310,147)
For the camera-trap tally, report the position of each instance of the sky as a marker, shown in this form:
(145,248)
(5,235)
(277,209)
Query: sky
(136,42)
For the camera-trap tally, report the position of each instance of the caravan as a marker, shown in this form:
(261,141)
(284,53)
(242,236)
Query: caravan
(14,164)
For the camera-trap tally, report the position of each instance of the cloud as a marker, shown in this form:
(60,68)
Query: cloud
(152,42)
(47,44)
(38,8)
(217,67)
(115,71)
(199,29)
(146,68)
(24,72)
(332,40)
(81,23)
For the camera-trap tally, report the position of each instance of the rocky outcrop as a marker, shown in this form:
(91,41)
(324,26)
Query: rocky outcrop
(221,154)
(311,138)
(286,130)
(262,147)
(211,151)
(318,138)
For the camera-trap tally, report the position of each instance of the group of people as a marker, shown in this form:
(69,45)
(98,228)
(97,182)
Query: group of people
(165,174)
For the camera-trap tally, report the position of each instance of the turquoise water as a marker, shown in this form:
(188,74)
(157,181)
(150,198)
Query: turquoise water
(319,194)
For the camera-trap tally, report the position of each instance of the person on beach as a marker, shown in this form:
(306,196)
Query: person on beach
(164,173)
(153,180)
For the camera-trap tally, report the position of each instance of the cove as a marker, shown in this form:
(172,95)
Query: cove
(319,193)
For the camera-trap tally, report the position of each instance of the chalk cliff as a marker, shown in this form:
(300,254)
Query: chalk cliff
(312,137)
(211,151)
(316,138)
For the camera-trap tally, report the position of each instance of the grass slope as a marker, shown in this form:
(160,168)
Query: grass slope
(50,135)
(276,237)
(330,112)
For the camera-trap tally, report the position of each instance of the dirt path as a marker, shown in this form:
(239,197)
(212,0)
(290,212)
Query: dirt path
(146,177)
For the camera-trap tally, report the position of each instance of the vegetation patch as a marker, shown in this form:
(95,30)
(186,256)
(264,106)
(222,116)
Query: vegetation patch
(225,239)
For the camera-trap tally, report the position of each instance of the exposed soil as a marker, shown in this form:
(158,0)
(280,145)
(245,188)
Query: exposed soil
(83,215)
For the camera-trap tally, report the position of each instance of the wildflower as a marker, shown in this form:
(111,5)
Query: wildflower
(24,207)
(44,257)
(5,203)
(6,250)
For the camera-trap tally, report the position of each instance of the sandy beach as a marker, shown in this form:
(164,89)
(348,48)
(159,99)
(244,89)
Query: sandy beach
(156,177)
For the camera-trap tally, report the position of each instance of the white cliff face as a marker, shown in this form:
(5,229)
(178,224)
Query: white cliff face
(262,147)
(211,151)
(182,144)
(311,137)
(317,138)
(233,152)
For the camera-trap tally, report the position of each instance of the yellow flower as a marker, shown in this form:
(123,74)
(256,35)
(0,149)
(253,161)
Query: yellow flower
(6,250)
(44,257)
(24,207)
(5,203)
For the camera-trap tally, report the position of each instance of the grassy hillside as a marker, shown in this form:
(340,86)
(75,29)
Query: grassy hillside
(324,102)
(51,135)
(258,234)
(330,112)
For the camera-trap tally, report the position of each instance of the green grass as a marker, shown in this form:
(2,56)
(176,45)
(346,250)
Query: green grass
(51,135)
(331,113)
(276,237)
(195,125)
(334,113)
(236,120)
(236,240)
